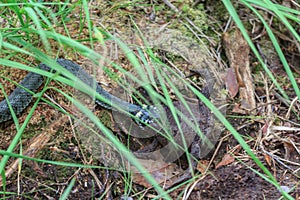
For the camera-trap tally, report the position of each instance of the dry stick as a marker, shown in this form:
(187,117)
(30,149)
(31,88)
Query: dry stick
(215,152)
(287,116)
(269,120)
(189,191)
(171,5)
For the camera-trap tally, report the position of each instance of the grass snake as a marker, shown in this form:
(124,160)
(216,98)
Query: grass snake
(20,98)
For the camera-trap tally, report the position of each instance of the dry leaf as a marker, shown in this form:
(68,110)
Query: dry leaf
(268,159)
(227,159)
(264,129)
(231,83)
(164,173)
(202,165)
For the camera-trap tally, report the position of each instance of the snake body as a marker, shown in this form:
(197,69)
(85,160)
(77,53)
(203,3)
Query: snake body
(20,98)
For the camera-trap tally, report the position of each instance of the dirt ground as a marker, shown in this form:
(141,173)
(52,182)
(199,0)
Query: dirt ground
(231,173)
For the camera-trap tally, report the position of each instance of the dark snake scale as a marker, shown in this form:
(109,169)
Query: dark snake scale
(21,98)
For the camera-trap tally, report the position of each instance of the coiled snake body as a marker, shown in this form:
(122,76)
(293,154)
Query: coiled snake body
(20,98)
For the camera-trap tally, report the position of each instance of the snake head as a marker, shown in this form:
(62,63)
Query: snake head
(145,115)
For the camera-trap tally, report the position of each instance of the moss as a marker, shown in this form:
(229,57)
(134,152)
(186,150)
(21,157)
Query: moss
(105,118)
(195,14)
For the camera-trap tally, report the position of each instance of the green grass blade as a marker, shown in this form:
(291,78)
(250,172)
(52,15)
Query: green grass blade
(59,163)
(271,6)
(68,189)
(88,21)
(39,29)
(278,50)
(240,25)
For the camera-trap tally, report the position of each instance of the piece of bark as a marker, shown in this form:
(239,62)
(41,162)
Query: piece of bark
(237,52)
